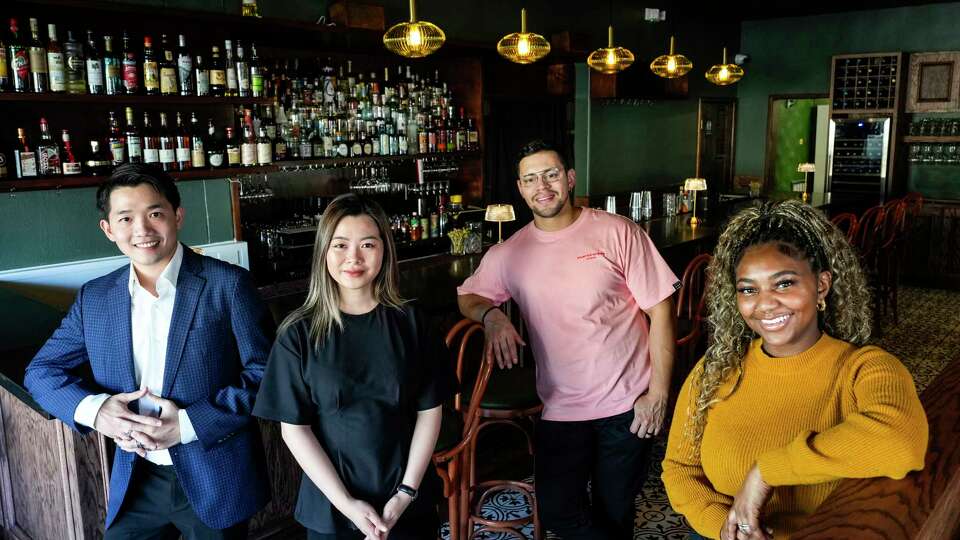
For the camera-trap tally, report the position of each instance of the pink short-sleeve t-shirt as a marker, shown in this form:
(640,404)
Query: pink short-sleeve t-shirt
(582,291)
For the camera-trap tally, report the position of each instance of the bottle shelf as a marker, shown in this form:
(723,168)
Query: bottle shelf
(931,139)
(69,182)
(123,99)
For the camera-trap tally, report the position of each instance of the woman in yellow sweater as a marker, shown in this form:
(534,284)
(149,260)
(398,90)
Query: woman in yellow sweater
(787,400)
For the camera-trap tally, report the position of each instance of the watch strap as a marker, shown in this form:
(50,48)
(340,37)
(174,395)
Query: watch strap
(407,490)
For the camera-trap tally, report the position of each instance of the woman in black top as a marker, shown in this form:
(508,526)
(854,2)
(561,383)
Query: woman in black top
(357,382)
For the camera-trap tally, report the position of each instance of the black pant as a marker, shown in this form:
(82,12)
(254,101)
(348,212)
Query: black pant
(407,528)
(602,451)
(156,508)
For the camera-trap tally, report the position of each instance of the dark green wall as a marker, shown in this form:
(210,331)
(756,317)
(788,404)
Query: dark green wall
(47,227)
(793,56)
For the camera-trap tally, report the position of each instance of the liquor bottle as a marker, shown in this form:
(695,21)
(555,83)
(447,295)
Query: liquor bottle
(95,82)
(112,68)
(4,72)
(3,166)
(202,77)
(24,158)
(232,149)
(168,69)
(461,132)
(131,67)
(151,142)
(100,161)
(229,68)
(71,166)
(19,60)
(441,136)
(74,65)
(184,159)
(242,73)
(185,72)
(249,8)
(55,67)
(118,147)
(264,148)
(48,153)
(168,145)
(133,138)
(198,154)
(248,146)
(216,154)
(151,70)
(38,60)
(267,121)
(218,76)
(256,74)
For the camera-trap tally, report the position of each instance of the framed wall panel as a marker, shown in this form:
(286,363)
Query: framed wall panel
(934,82)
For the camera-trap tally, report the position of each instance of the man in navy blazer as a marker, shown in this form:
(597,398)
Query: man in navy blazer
(177,346)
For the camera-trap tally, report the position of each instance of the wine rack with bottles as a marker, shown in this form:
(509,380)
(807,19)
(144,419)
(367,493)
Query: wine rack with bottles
(866,83)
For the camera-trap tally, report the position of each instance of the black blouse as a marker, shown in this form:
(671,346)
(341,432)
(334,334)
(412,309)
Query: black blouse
(360,393)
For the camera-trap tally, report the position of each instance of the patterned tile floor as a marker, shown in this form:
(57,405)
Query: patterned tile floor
(926,339)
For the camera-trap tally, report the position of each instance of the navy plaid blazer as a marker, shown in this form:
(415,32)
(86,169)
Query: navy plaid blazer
(216,354)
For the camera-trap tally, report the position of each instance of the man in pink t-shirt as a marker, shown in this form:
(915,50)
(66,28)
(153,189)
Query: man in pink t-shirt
(586,282)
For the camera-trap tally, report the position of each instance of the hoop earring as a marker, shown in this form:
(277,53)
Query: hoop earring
(822,304)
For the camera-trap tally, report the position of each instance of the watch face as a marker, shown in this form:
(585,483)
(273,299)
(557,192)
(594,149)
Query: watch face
(472,244)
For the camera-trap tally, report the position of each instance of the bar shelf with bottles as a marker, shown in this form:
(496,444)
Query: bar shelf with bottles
(933,141)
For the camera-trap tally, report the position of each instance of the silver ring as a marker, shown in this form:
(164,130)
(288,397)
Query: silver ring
(744,528)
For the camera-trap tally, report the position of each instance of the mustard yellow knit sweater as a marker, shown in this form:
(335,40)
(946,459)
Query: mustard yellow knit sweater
(834,411)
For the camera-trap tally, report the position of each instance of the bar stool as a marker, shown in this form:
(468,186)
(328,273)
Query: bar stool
(508,398)
(691,311)
(846,222)
(893,232)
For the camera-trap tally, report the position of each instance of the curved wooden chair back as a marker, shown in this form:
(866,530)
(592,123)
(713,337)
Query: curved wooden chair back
(691,301)
(869,227)
(846,222)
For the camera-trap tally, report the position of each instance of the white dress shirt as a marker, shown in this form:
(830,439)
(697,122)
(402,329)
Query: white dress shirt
(150,318)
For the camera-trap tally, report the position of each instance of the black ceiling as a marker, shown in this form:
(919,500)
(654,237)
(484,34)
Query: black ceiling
(775,9)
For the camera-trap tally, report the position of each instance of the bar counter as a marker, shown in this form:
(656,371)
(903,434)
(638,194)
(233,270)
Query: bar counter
(53,482)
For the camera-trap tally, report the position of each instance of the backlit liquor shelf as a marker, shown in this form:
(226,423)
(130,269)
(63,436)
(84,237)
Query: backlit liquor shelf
(132,99)
(67,182)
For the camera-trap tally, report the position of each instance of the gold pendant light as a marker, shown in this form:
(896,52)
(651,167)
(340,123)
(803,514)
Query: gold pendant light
(610,59)
(523,47)
(414,39)
(671,66)
(724,74)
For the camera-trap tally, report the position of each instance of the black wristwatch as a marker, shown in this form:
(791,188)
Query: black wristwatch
(407,490)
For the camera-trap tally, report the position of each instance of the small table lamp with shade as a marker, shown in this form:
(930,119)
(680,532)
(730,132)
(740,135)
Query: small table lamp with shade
(499,213)
(694,185)
(806,169)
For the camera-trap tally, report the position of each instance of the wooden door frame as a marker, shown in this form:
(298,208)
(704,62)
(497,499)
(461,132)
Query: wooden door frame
(733,132)
(768,155)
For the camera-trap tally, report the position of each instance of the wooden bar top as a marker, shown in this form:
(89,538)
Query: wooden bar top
(924,505)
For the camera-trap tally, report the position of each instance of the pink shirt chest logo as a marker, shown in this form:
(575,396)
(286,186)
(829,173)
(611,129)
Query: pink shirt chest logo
(590,256)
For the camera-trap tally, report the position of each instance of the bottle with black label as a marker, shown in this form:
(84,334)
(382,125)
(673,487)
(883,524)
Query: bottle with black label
(95,80)
(168,145)
(168,69)
(48,153)
(38,60)
(151,143)
(218,76)
(75,67)
(71,165)
(112,68)
(133,139)
(56,71)
(100,161)
(151,70)
(25,159)
(19,59)
(185,71)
